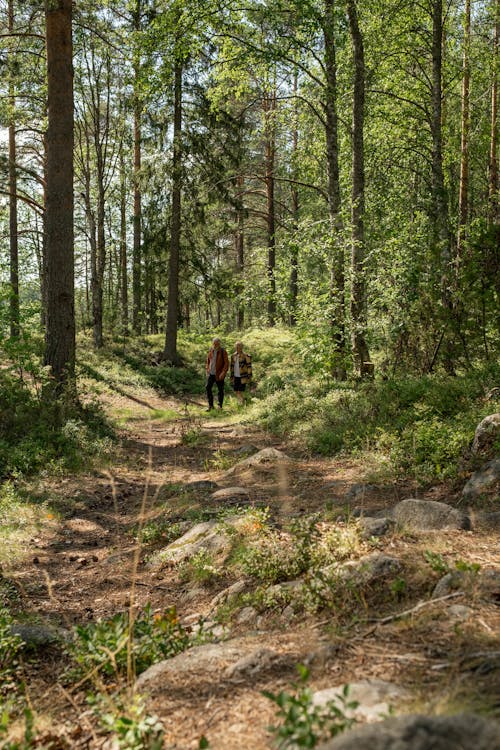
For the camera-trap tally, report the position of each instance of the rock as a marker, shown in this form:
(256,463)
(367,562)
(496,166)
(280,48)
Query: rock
(35,636)
(208,535)
(369,568)
(247,615)
(207,662)
(460,732)
(231,494)
(228,594)
(255,662)
(374,698)
(359,491)
(201,485)
(484,480)
(425,515)
(374,526)
(459,612)
(484,582)
(486,432)
(263,457)
(488,520)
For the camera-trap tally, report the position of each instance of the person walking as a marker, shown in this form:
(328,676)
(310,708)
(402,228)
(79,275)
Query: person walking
(241,371)
(217,366)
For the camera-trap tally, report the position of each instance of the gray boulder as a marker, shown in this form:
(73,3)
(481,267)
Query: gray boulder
(209,663)
(35,636)
(265,457)
(484,480)
(365,570)
(461,732)
(486,432)
(375,698)
(209,536)
(425,515)
(371,526)
(231,495)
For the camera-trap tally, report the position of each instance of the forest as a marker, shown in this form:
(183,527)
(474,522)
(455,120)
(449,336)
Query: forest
(319,179)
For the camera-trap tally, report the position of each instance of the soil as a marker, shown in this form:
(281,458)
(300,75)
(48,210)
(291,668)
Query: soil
(85,565)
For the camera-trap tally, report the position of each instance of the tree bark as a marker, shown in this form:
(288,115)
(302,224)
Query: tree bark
(463,196)
(269,107)
(337,273)
(294,250)
(358,290)
(13,228)
(137,219)
(170,352)
(493,177)
(60,330)
(123,247)
(239,246)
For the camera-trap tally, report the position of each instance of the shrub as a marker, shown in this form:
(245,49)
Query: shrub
(304,724)
(104,645)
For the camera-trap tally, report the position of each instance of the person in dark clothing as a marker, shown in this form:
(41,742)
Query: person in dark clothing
(217,365)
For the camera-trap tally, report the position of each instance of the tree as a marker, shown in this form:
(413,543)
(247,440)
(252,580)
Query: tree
(358,289)
(60,318)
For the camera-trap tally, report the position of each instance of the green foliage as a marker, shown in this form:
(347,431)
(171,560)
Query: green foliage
(104,646)
(160,530)
(423,425)
(10,648)
(304,724)
(274,556)
(200,567)
(133,728)
(35,434)
(441,566)
(28,741)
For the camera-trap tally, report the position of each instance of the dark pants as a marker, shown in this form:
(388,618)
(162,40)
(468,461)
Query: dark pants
(220,391)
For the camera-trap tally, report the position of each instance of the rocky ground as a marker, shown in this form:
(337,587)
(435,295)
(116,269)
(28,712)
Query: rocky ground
(442,656)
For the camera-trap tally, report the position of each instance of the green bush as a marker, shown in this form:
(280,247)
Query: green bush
(303,724)
(104,646)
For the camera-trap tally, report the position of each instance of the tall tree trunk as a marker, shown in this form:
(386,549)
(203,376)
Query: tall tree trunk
(170,352)
(60,330)
(337,273)
(137,219)
(441,238)
(13,230)
(269,106)
(493,177)
(294,251)
(123,247)
(239,246)
(358,289)
(463,195)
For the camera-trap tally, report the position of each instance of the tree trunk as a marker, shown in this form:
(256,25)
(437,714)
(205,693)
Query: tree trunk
(13,229)
(358,291)
(337,274)
(123,247)
(441,238)
(137,219)
(239,246)
(170,352)
(269,106)
(60,330)
(463,196)
(294,255)
(493,179)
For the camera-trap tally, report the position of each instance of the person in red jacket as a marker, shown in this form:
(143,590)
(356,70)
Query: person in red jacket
(217,366)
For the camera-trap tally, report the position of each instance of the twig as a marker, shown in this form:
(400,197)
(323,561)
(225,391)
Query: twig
(419,606)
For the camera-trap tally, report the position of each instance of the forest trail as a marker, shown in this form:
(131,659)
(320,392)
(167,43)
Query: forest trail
(86,565)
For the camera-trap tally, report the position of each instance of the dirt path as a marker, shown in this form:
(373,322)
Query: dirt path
(81,566)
